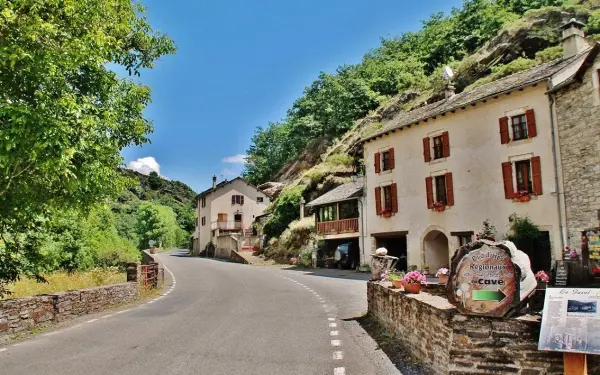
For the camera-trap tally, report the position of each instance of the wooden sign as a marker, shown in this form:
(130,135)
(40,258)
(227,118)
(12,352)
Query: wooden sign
(484,280)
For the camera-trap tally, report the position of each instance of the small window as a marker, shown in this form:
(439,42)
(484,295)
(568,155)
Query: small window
(387,198)
(519,127)
(327,213)
(237,199)
(438,147)
(523,173)
(385,156)
(259,199)
(464,239)
(440,189)
(203,202)
(203,220)
(196,220)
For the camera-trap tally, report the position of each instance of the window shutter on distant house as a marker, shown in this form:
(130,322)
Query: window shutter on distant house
(377,162)
(531,127)
(507,176)
(392,159)
(536,175)
(449,190)
(429,190)
(378,200)
(394,198)
(426,150)
(242,202)
(504,137)
(446,144)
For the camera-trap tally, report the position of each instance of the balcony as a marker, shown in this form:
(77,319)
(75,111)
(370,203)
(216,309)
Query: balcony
(227,225)
(345,226)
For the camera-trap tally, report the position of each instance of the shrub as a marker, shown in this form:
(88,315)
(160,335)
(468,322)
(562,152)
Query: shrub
(502,71)
(296,239)
(549,54)
(285,210)
(340,160)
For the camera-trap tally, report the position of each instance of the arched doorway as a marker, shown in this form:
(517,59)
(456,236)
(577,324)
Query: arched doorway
(435,250)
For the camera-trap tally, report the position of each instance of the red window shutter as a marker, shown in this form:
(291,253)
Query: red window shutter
(531,127)
(446,144)
(504,138)
(449,190)
(536,175)
(507,176)
(429,190)
(377,162)
(378,200)
(392,159)
(394,198)
(426,149)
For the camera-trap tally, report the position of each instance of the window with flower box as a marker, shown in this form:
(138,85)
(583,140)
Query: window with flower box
(443,195)
(528,176)
(386,200)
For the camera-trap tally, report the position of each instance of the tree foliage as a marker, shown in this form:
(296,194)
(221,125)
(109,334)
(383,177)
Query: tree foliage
(64,115)
(158,223)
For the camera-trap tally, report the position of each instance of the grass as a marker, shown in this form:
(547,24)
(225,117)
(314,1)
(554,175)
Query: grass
(62,281)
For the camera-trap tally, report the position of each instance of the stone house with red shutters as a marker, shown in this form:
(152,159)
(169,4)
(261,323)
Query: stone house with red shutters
(434,174)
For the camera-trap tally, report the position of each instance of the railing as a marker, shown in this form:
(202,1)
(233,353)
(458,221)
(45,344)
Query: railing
(228,225)
(338,226)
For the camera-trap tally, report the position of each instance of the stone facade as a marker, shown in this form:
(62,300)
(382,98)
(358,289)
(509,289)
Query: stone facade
(578,120)
(17,315)
(454,344)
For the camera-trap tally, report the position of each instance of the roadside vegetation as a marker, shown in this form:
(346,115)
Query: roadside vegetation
(68,212)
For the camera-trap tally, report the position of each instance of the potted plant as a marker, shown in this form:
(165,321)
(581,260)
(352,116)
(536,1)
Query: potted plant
(536,303)
(439,206)
(442,274)
(396,279)
(570,254)
(412,282)
(522,195)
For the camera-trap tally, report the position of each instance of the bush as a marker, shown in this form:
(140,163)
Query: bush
(295,240)
(340,160)
(502,71)
(549,54)
(285,210)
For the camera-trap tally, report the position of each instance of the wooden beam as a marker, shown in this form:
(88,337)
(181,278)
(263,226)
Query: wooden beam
(575,363)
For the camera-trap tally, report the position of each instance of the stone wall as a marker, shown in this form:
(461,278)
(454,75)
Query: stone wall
(578,119)
(454,344)
(20,314)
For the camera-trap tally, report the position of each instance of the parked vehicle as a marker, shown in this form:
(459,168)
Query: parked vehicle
(345,256)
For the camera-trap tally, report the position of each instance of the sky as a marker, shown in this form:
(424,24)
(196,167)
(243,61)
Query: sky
(241,64)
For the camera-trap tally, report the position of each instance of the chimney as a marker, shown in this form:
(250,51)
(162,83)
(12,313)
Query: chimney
(573,38)
(449,91)
(214,182)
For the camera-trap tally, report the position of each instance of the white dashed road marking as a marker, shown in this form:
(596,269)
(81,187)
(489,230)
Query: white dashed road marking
(335,343)
(91,320)
(331,319)
(3,349)
(334,333)
(339,371)
(338,355)
(332,325)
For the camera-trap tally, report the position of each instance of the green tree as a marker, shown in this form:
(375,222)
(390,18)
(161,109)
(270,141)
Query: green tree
(64,114)
(157,223)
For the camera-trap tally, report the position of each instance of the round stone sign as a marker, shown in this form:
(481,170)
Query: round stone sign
(484,281)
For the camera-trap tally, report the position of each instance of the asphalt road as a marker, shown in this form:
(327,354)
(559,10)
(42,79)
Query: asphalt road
(220,318)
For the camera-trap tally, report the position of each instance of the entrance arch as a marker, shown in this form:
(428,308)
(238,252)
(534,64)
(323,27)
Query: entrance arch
(435,249)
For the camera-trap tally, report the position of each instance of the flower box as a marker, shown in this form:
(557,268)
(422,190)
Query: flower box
(524,198)
(440,208)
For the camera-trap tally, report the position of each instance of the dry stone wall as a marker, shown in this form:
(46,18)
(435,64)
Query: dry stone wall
(20,314)
(454,344)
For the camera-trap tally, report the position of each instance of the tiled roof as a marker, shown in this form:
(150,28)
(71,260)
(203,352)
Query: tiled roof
(505,85)
(224,183)
(340,193)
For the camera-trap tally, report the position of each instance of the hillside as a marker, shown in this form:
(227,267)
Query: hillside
(315,148)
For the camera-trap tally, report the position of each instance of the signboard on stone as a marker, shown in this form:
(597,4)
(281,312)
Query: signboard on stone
(490,278)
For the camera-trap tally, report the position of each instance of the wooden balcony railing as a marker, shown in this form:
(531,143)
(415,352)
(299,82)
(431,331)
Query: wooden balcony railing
(228,225)
(338,226)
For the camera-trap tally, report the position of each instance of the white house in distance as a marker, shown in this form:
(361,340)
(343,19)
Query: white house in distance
(227,207)
(433,175)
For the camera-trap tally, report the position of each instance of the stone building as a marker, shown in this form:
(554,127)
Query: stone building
(576,102)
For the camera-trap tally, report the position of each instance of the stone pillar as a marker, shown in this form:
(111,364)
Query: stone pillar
(302,203)
(134,272)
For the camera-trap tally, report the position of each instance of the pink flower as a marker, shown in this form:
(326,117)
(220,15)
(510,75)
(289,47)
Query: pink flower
(542,276)
(414,277)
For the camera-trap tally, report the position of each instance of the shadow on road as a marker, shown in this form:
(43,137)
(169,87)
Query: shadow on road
(337,274)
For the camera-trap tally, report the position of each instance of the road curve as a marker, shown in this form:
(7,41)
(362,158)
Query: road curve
(221,318)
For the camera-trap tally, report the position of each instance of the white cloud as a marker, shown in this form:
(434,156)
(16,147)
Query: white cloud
(236,159)
(145,165)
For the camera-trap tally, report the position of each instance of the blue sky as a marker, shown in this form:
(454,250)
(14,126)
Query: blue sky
(241,64)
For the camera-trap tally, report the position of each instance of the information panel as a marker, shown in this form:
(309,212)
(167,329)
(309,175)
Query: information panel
(570,322)
(593,243)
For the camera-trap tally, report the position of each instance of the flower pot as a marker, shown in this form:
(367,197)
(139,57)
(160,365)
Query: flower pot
(440,208)
(443,279)
(524,198)
(397,284)
(153,250)
(413,288)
